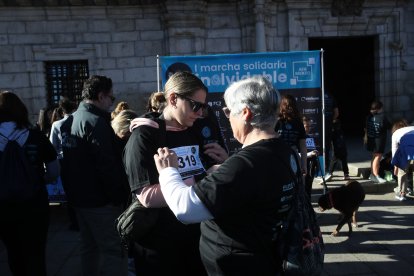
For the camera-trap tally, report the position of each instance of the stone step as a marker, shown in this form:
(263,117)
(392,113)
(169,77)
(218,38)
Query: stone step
(372,187)
(369,186)
(360,169)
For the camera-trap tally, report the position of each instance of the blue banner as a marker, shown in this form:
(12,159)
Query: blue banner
(295,73)
(286,70)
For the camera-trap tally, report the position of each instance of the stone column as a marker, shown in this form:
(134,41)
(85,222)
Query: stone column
(260,26)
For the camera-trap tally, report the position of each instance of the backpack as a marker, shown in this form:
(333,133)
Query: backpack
(299,242)
(17,175)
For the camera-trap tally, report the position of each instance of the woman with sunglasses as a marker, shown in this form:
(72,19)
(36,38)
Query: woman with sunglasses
(241,203)
(172,247)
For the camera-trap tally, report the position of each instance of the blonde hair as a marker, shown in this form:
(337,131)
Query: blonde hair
(119,107)
(184,84)
(121,122)
(156,102)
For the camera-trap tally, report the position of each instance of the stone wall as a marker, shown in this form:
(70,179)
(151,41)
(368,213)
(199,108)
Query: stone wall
(123,41)
(120,42)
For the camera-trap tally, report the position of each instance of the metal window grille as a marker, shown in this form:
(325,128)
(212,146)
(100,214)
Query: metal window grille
(65,79)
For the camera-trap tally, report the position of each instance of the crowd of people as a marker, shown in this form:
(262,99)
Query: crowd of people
(216,213)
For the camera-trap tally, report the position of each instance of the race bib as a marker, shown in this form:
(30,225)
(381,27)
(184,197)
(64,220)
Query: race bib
(310,144)
(189,162)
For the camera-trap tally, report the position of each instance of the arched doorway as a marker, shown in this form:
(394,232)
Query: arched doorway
(349,77)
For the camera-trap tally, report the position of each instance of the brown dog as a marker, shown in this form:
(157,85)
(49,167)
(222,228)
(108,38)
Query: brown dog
(346,199)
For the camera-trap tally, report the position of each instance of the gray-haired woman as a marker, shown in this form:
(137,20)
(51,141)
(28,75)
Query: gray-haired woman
(239,203)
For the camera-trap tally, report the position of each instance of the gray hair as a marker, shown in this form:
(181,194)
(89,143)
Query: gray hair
(257,94)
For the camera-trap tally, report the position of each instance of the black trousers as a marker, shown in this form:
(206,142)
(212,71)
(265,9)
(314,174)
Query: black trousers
(23,230)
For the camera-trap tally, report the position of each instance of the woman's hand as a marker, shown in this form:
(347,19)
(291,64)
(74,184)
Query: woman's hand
(165,158)
(216,152)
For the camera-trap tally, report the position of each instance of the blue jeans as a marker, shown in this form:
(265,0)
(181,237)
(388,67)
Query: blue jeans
(101,250)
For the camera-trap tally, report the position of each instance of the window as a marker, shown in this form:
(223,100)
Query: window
(65,79)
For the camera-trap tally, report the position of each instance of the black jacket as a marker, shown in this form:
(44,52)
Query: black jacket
(92,171)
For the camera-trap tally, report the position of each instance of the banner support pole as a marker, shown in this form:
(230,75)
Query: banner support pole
(158,73)
(323,113)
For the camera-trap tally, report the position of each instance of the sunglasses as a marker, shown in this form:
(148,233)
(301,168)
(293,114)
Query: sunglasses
(195,106)
(226,111)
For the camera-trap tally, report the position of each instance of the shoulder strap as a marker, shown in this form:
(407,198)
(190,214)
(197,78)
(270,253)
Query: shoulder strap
(299,185)
(159,119)
(67,124)
(297,178)
(162,135)
(17,138)
(22,133)
(4,137)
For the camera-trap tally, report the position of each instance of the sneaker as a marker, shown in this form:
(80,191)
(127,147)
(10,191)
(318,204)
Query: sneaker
(377,179)
(380,179)
(328,176)
(400,197)
(346,177)
(410,192)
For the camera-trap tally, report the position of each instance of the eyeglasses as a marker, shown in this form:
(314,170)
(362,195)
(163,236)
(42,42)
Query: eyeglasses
(195,106)
(226,111)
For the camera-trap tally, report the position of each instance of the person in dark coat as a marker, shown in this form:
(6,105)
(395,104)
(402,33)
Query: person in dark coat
(94,179)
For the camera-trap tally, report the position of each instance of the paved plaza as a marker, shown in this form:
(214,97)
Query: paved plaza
(383,245)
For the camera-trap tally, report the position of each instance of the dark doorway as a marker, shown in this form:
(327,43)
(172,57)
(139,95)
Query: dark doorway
(349,77)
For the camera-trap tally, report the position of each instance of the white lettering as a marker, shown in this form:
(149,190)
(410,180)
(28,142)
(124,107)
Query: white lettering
(226,79)
(287,186)
(264,65)
(220,67)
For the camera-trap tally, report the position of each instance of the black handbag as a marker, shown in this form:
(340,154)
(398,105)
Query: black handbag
(134,224)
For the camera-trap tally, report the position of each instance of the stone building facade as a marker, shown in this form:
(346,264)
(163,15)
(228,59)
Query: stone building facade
(122,38)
